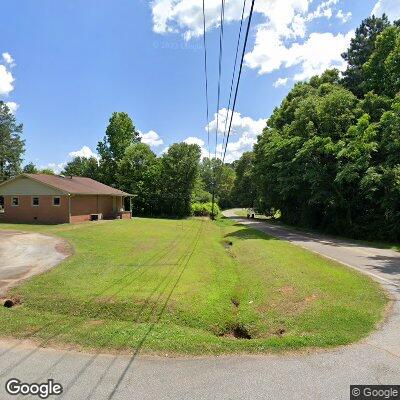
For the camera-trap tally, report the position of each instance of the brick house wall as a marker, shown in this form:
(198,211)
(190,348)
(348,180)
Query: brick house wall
(26,213)
(84,205)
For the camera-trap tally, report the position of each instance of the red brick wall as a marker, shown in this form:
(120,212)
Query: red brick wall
(83,206)
(45,213)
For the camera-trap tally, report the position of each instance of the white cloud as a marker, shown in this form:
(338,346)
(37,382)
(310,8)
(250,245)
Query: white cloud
(281,82)
(324,10)
(243,135)
(344,17)
(283,25)
(389,7)
(199,142)
(57,168)
(8,59)
(186,16)
(13,106)
(319,52)
(240,125)
(151,138)
(85,152)
(6,81)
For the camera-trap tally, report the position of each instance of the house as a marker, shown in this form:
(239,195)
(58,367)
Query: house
(52,199)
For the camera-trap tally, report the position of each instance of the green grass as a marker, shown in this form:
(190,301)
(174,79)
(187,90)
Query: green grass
(170,286)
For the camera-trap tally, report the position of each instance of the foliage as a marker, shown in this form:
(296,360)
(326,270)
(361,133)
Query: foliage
(46,171)
(245,187)
(360,50)
(218,176)
(82,166)
(331,160)
(120,134)
(139,174)
(12,147)
(205,209)
(30,168)
(179,172)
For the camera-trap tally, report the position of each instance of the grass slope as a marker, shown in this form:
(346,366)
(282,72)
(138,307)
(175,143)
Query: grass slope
(189,287)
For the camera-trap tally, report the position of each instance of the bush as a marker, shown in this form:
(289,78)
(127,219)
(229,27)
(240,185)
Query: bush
(204,209)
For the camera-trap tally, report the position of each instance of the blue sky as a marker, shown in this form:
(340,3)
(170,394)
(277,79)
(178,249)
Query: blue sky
(67,65)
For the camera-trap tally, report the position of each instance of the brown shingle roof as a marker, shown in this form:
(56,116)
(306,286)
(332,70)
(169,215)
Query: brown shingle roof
(76,185)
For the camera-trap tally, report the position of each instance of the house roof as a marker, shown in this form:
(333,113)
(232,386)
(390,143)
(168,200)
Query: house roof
(76,185)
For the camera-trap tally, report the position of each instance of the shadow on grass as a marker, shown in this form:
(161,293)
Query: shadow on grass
(245,233)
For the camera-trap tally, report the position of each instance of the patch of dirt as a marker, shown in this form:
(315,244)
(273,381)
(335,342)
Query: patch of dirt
(240,332)
(287,290)
(64,248)
(237,332)
(311,299)
(95,322)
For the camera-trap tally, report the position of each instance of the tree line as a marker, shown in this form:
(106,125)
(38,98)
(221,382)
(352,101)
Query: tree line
(177,183)
(329,157)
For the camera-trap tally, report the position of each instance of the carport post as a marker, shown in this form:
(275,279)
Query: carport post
(69,208)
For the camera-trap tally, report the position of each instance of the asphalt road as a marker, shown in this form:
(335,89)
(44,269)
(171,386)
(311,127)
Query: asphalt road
(315,375)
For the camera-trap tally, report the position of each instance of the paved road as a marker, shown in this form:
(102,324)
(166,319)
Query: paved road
(23,255)
(317,375)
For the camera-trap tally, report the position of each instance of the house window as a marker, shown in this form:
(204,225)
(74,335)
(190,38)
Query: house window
(35,201)
(1,204)
(56,201)
(15,201)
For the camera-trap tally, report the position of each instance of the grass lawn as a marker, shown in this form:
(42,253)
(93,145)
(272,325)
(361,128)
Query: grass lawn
(190,287)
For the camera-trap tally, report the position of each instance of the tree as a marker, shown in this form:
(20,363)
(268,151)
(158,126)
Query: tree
(382,70)
(214,172)
(46,171)
(139,174)
(120,134)
(82,166)
(30,169)
(179,171)
(360,50)
(12,147)
(245,189)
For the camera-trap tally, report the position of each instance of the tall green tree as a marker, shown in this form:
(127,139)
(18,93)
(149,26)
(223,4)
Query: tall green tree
(245,187)
(361,48)
(139,175)
(214,172)
(82,166)
(12,147)
(120,134)
(382,70)
(179,172)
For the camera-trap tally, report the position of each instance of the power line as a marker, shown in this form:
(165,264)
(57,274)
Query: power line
(234,74)
(206,78)
(239,76)
(221,44)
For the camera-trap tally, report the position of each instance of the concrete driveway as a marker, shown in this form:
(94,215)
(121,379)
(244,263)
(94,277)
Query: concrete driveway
(23,255)
(315,375)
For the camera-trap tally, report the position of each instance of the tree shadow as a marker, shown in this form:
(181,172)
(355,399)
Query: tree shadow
(386,264)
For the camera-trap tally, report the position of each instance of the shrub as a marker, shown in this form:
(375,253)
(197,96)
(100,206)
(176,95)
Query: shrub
(204,209)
